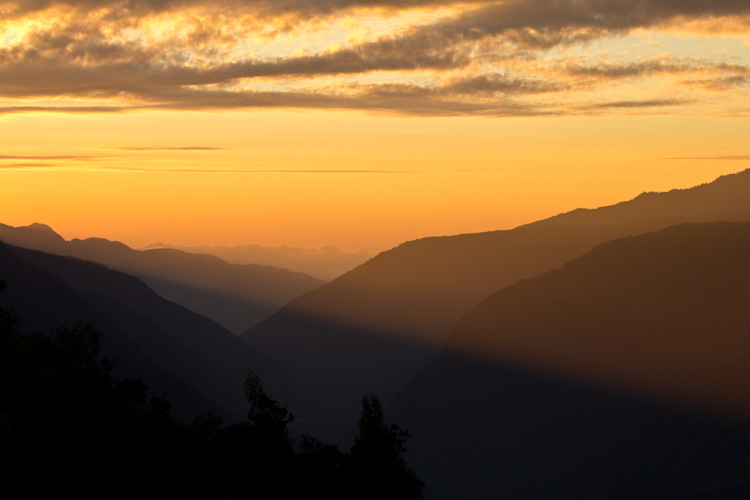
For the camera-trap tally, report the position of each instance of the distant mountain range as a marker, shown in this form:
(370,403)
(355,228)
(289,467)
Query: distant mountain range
(326,262)
(235,296)
(623,374)
(197,363)
(382,321)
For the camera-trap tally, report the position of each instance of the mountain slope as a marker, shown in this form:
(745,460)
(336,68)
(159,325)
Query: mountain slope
(621,375)
(235,296)
(665,312)
(372,328)
(199,363)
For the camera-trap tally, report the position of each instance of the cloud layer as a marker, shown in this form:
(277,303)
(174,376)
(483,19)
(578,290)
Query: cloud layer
(425,57)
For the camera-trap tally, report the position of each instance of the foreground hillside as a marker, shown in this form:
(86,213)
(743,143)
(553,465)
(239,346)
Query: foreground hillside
(621,375)
(72,428)
(374,327)
(235,296)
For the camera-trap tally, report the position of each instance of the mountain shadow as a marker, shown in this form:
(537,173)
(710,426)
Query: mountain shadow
(198,363)
(372,328)
(235,296)
(621,375)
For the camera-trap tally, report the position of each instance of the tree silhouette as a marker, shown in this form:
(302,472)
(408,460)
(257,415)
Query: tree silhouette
(260,450)
(78,352)
(270,418)
(377,457)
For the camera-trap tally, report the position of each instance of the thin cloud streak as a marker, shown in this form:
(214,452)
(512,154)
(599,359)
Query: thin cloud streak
(168,148)
(650,103)
(17,166)
(51,157)
(244,171)
(9,110)
(725,157)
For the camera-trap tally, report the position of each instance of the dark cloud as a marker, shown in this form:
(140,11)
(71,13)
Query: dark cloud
(396,98)
(547,18)
(496,83)
(375,98)
(385,54)
(7,110)
(616,71)
(648,103)
(482,86)
(546,13)
(50,77)
(297,8)
(543,24)
(720,83)
(629,70)
(396,90)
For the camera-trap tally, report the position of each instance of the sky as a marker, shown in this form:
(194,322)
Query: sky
(358,123)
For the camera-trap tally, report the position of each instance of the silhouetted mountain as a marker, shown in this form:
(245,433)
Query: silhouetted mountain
(235,296)
(372,328)
(199,363)
(621,375)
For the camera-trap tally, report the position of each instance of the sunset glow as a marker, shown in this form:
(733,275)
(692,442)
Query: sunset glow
(357,123)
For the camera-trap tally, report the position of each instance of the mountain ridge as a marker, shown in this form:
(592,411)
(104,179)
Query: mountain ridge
(235,295)
(395,312)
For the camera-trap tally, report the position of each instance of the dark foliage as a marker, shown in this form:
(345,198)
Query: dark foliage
(377,462)
(269,419)
(208,423)
(69,428)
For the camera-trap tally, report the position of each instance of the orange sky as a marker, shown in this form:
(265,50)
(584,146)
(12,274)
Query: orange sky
(326,122)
